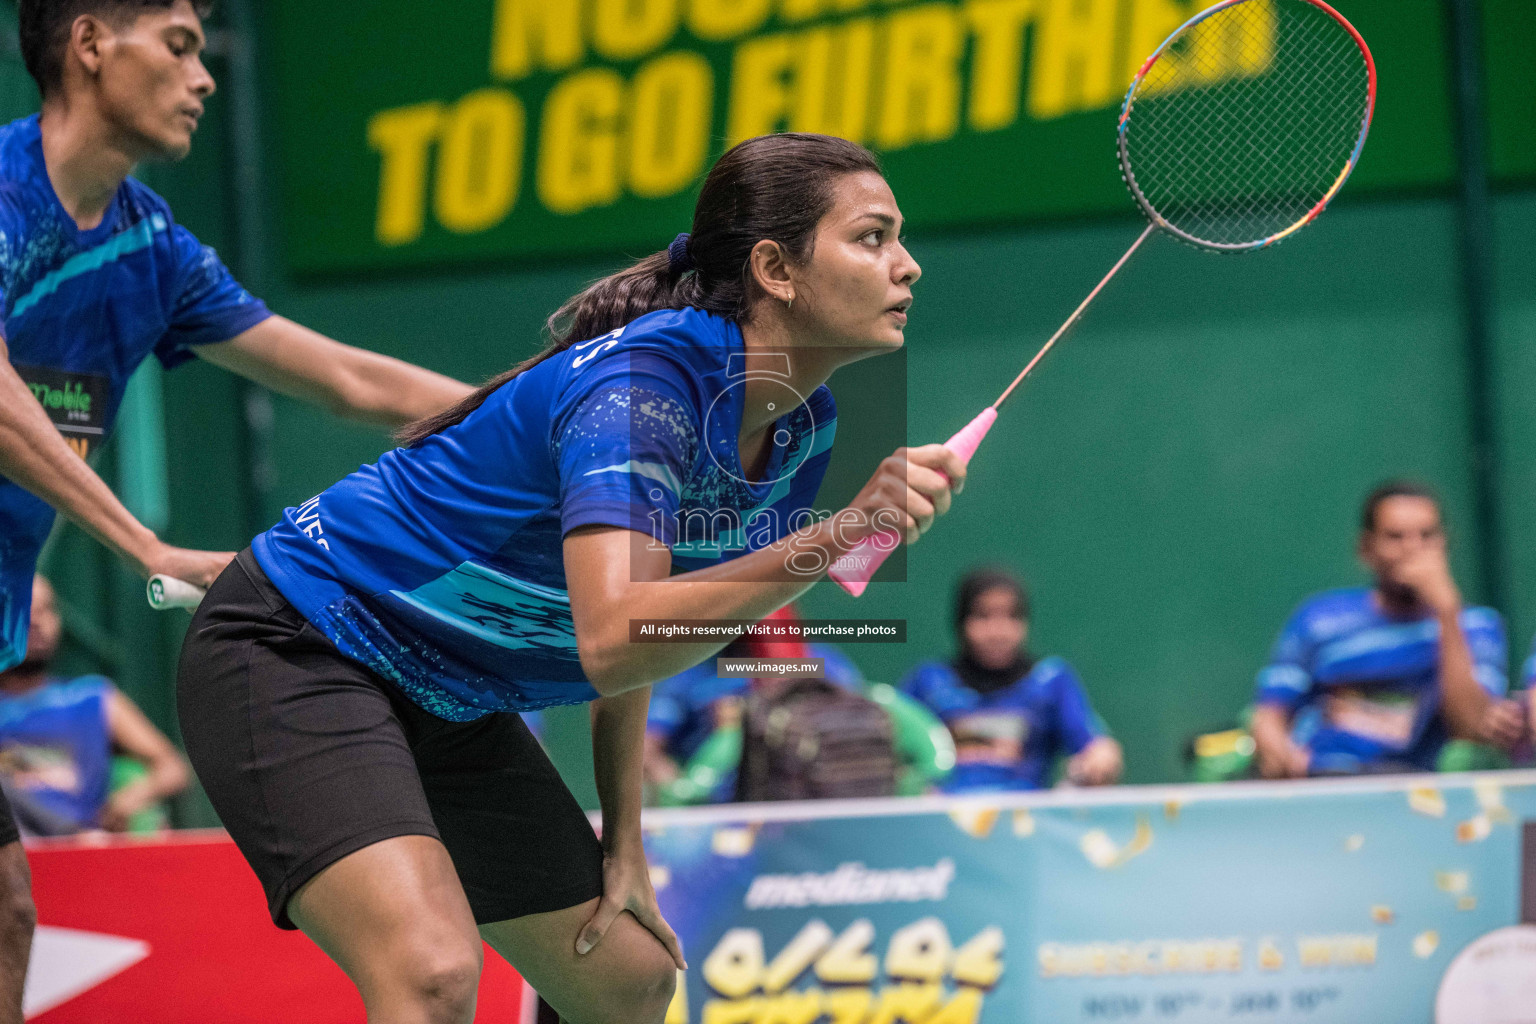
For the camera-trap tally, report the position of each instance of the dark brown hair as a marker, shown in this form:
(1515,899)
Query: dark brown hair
(776,187)
(43,28)
(1393,489)
(983,580)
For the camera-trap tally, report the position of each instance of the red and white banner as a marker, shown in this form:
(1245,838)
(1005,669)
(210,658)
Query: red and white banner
(174,930)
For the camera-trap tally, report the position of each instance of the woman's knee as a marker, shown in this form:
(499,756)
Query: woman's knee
(643,991)
(442,981)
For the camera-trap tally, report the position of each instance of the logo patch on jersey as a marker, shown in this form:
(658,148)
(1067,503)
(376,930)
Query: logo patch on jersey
(75,402)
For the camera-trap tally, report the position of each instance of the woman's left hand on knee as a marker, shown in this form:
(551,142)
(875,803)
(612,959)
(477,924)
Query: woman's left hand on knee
(627,886)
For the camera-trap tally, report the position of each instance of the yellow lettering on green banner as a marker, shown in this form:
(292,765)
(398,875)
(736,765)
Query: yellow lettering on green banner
(535,35)
(669,123)
(578,163)
(715,20)
(760,94)
(997,63)
(831,91)
(1074,64)
(403,138)
(920,101)
(479,161)
(625,29)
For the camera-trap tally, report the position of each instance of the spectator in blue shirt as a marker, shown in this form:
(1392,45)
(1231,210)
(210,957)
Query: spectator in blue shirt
(1376,679)
(1011,716)
(687,708)
(58,737)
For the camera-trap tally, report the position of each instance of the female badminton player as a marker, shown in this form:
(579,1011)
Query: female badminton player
(347,688)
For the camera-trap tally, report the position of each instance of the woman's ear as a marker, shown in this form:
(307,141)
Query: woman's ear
(771,270)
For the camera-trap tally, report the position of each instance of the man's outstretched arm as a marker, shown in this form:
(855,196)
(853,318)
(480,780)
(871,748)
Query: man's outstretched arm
(34,455)
(293,360)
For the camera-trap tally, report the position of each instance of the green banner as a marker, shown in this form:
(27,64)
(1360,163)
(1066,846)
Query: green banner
(419,135)
(1509,28)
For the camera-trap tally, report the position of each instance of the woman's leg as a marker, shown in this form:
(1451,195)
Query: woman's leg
(628,979)
(394,918)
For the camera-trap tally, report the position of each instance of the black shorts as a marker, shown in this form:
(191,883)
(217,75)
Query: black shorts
(9,833)
(309,756)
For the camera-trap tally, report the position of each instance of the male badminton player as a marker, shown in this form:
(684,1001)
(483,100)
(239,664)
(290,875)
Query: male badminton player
(96,276)
(346,689)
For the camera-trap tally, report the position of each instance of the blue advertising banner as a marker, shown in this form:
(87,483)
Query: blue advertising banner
(1367,901)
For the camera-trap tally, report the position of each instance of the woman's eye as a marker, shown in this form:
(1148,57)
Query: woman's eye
(874,237)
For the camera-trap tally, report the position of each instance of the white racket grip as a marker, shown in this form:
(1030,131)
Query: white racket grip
(165,592)
(852,571)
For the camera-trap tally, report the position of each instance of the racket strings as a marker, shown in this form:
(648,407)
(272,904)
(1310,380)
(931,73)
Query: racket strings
(1246,122)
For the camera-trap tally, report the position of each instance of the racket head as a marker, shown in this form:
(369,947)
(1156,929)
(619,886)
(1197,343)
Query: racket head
(1242,127)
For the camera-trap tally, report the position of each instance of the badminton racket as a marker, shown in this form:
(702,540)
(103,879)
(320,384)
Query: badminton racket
(1236,133)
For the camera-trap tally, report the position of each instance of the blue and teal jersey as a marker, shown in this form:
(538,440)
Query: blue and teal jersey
(684,708)
(1008,739)
(56,746)
(1364,686)
(80,311)
(440,567)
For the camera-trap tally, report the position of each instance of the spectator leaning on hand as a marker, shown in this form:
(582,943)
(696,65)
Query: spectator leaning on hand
(1011,716)
(1376,679)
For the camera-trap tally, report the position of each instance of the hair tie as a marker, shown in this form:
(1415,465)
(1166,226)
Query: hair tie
(679,260)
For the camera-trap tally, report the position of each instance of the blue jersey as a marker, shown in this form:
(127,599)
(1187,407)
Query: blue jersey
(440,567)
(81,310)
(1365,686)
(56,746)
(1008,738)
(684,707)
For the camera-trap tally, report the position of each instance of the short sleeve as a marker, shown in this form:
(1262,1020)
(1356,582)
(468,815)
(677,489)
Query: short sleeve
(1484,629)
(1286,681)
(627,446)
(209,305)
(936,687)
(1075,721)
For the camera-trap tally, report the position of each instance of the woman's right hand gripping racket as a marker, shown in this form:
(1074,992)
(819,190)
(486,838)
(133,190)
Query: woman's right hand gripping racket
(1236,133)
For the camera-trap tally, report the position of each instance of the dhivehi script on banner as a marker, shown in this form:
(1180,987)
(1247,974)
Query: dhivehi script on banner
(1359,901)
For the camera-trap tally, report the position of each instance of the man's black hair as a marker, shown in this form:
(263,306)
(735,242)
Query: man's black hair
(1393,489)
(44,27)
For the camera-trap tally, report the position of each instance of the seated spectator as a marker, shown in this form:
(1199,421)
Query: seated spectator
(1376,679)
(57,738)
(1011,716)
(690,707)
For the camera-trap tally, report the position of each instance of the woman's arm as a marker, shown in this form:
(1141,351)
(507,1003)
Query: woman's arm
(618,744)
(616,575)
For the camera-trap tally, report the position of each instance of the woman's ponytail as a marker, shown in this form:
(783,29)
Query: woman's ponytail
(772,187)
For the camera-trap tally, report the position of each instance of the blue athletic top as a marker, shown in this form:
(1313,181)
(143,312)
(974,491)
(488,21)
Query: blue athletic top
(56,745)
(81,310)
(1008,739)
(1365,686)
(440,567)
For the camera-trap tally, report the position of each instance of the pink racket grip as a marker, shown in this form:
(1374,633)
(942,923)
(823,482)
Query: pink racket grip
(853,570)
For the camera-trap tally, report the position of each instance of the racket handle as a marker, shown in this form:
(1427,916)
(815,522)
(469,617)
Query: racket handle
(165,592)
(853,570)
